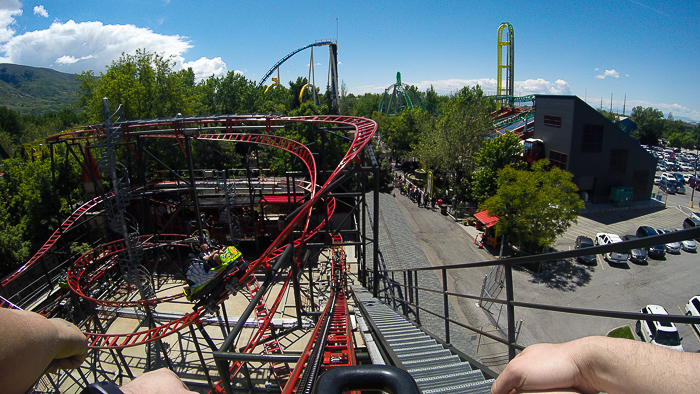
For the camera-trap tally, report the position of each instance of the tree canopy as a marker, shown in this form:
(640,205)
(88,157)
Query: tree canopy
(650,125)
(534,207)
(495,154)
(449,142)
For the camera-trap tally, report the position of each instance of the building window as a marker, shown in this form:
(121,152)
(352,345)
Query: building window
(618,162)
(592,141)
(553,121)
(640,181)
(558,159)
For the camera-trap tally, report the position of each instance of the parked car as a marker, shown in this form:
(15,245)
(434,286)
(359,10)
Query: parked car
(679,187)
(667,186)
(691,222)
(679,177)
(584,242)
(659,333)
(692,308)
(656,251)
(687,244)
(636,255)
(606,239)
(657,179)
(668,176)
(671,247)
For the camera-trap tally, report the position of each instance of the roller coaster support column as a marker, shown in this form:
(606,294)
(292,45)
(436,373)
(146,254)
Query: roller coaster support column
(201,356)
(297,291)
(193,185)
(221,363)
(363,256)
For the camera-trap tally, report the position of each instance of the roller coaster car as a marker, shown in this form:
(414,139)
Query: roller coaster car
(204,282)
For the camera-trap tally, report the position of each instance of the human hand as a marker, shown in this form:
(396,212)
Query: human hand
(543,368)
(70,346)
(159,381)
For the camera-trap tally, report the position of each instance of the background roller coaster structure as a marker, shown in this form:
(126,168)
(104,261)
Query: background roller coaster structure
(131,274)
(332,82)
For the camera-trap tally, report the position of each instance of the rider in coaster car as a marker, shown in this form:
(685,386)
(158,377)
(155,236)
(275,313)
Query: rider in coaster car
(210,256)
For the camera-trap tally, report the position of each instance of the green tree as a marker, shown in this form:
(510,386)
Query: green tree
(400,133)
(144,84)
(534,207)
(32,205)
(650,125)
(449,142)
(494,155)
(365,105)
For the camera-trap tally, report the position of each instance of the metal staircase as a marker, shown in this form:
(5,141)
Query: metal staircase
(434,368)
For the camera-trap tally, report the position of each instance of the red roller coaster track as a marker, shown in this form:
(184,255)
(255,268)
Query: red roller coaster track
(97,261)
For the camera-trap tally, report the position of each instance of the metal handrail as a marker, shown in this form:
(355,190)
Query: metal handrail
(411,288)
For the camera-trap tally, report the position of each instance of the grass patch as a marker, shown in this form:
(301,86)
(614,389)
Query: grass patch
(622,332)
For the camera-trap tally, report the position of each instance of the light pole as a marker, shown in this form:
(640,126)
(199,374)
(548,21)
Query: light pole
(695,174)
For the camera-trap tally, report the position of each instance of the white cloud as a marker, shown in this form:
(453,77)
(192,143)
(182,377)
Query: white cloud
(9,9)
(488,85)
(541,86)
(677,109)
(608,73)
(41,11)
(74,47)
(204,68)
(65,59)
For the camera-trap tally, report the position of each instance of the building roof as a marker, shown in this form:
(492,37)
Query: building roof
(485,219)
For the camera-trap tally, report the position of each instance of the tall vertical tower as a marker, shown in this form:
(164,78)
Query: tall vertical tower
(506,42)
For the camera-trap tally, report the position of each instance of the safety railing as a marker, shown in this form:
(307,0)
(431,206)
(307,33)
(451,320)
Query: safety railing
(411,307)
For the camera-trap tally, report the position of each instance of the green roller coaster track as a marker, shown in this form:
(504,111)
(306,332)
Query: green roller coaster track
(399,91)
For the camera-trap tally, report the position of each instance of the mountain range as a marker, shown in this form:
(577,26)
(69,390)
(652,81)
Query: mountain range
(33,90)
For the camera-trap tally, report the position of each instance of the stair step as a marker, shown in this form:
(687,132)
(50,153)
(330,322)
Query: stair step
(432,362)
(408,344)
(425,348)
(473,388)
(425,355)
(446,369)
(450,380)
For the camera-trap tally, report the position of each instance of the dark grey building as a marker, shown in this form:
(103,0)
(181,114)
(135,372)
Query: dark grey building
(602,158)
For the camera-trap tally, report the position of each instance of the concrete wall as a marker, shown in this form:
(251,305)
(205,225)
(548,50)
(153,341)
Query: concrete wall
(592,170)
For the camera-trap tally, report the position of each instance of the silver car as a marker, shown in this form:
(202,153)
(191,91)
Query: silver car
(688,245)
(671,247)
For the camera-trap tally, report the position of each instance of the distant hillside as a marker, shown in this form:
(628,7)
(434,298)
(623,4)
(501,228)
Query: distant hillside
(36,90)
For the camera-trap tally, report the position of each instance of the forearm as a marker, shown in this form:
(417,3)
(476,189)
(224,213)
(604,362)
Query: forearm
(624,366)
(29,344)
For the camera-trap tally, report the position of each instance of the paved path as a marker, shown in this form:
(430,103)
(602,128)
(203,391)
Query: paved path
(403,248)
(445,242)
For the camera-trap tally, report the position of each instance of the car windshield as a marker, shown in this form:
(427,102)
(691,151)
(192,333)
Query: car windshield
(586,244)
(668,338)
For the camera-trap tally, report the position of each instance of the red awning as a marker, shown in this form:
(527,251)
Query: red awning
(281,199)
(485,219)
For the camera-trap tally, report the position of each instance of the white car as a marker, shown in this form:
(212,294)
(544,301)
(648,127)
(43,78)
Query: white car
(692,308)
(668,176)
(671,247)
(689,245)
(659,333)
(606,239)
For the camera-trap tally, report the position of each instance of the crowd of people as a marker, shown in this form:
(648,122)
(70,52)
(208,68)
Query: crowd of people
(421,196)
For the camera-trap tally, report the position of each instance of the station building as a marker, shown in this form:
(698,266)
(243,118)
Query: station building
(608,165)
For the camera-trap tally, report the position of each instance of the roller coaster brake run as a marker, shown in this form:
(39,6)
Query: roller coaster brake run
(129,293)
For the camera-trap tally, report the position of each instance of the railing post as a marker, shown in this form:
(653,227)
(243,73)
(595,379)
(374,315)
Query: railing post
(405,294)
(510,311)
(445,301)
(417,304)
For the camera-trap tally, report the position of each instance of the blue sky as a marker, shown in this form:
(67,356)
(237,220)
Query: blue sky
(646,50)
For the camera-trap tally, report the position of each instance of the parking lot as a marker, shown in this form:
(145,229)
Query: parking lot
(669,282)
